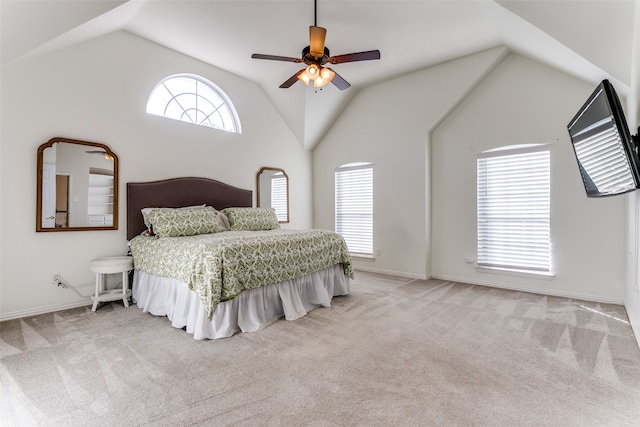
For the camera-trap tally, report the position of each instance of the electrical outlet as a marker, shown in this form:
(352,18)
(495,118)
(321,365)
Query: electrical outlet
(468,259)
(57,281)
(378,252)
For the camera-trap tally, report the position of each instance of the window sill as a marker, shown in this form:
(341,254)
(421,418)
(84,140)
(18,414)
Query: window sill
(519,273)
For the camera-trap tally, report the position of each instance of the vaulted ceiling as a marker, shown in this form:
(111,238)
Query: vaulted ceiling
(589,39)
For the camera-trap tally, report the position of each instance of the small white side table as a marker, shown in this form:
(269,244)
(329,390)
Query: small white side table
(111,265)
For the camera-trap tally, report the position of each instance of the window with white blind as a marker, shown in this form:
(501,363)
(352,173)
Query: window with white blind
(354,206)
(514,209)
(279,196)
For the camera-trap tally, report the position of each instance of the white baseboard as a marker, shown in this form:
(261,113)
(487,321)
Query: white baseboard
(586,297)
(391,273)
(491,284)
(636,330)
(42,310)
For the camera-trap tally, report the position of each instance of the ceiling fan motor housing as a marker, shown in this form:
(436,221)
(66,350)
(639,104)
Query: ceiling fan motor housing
(315,57)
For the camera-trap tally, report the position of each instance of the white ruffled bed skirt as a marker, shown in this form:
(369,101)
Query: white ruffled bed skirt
(250,311)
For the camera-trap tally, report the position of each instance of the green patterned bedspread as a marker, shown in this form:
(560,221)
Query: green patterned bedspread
(221,265)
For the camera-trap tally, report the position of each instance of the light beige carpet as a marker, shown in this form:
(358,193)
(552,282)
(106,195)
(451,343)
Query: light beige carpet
(395,352)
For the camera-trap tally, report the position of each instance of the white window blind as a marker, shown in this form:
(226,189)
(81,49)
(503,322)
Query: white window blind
(354,206)
(514,208)
(601,154)
(279,196)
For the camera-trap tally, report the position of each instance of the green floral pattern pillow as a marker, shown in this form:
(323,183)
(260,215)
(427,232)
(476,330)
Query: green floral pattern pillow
(252,219)
(145,213)
(169,222)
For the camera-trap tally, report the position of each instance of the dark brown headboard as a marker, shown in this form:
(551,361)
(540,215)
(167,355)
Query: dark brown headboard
(178,192)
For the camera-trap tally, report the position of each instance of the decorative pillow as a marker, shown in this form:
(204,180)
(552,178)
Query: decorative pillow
(252,218)
(145,213)
(169,222)
(223,222)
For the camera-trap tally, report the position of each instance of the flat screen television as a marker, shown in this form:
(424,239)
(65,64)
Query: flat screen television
(607,153)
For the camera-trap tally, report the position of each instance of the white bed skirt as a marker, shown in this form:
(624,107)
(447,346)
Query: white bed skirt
(250,311)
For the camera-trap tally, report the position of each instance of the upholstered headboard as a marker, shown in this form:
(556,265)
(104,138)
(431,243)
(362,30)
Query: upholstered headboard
(178,192)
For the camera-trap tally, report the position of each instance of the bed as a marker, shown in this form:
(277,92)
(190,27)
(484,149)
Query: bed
(215,266)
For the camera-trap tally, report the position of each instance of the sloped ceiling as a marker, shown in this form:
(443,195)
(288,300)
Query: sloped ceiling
(589,39)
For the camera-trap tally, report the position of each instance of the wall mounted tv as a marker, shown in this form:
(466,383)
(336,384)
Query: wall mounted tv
(607,153)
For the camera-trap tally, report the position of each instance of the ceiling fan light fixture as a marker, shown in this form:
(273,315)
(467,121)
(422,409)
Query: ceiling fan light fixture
(327,74)
(312,71)
(324,78)
(304,78)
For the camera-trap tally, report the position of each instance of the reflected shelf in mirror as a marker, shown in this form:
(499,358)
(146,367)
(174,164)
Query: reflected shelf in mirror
(77,186)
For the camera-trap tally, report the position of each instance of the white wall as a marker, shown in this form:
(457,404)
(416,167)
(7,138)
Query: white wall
(388,125)
(423,131)
(524,102)
(97,91)
(632,297)
(632,300)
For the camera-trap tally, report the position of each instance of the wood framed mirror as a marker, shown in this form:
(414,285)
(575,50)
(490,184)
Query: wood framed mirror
(77,186)
(273,191)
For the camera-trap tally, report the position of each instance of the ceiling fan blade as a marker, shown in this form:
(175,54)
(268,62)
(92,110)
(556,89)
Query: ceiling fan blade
(316,39)
(291,80)
(275,57)
(353,57)
(339,82)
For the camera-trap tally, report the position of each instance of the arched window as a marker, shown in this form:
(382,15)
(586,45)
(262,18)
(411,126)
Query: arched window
(193,99)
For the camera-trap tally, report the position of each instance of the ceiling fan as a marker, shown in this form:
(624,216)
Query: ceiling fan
(106,155)
(315,56)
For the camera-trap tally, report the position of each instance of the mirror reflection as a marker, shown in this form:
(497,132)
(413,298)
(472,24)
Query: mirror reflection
(77,186)
(273,191)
